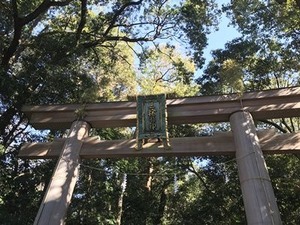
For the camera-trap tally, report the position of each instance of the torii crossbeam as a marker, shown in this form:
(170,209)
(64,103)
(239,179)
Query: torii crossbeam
(243,141)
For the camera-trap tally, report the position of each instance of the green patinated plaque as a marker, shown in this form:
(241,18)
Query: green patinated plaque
(152,119)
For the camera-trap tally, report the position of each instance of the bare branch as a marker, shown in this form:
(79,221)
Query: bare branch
(124,58)
(117,14)
(286,125)
(192,169)
(275,125)
(292,124)
(42,8)
(128,39)
(15,8)
(135,24)
(162,77)
(132,49)
(116,38)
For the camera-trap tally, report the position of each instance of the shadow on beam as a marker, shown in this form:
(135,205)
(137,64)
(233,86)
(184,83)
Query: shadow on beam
(219,144)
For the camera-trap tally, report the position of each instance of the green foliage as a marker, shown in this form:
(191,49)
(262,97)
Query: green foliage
(79,51)
(164,70)
(198,17)
(55,52)
(284,173)
(267,52)
(2,149)
(229,70)
(231,76)
(22,185)
(266,56)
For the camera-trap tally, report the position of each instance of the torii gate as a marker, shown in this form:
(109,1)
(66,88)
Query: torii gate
(247,145)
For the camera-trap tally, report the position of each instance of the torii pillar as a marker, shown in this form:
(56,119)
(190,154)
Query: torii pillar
(258,195)
(60,189)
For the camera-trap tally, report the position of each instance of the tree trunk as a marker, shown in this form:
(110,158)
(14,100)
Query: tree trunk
(161,207)
(120,202)
(149,180)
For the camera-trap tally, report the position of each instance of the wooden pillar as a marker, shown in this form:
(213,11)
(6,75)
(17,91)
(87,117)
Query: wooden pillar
(59,192)
(258,195)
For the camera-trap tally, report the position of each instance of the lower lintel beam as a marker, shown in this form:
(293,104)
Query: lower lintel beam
(219,144)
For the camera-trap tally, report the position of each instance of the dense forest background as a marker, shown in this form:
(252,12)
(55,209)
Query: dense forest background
(80,51)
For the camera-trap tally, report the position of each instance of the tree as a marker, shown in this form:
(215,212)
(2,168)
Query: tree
(267,52)
(71,51)
(46,43)
(163,70)
(264,57)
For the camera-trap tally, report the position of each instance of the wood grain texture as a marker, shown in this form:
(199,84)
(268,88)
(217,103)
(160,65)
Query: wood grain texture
(258,194)
(277,103)
(58,195)
(219,144)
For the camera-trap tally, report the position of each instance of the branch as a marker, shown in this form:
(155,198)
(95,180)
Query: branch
(124,58)
(15,8)
(135,24)
(286,125)
(275,125)
(19,23)
(192,169)
(116,38)
(163,75)
(82,19)
(12,134)
(118,13)
(42,8)
(292,124)
(16,37)
(13,45)
(133,50)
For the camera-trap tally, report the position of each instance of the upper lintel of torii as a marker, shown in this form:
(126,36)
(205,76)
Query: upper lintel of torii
(277,103)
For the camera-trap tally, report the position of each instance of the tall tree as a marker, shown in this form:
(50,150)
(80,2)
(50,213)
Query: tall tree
(266,56)
(76,51)
(268,50)
(46,43)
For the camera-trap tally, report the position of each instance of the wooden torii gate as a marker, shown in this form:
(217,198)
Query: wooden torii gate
(247,144)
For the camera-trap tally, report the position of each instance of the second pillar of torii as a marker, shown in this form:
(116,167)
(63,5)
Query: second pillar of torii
(258,195)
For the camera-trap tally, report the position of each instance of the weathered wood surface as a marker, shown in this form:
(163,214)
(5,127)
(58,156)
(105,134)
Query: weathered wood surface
(262,105)
(57,198)
(218,144)
(258,194)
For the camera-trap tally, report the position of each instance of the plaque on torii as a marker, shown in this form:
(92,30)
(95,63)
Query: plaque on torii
(152,120)
(242,141)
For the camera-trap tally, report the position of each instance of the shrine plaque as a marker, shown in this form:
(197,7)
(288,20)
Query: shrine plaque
(151,119)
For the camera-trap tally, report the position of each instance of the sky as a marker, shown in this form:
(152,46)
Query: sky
(217,39)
